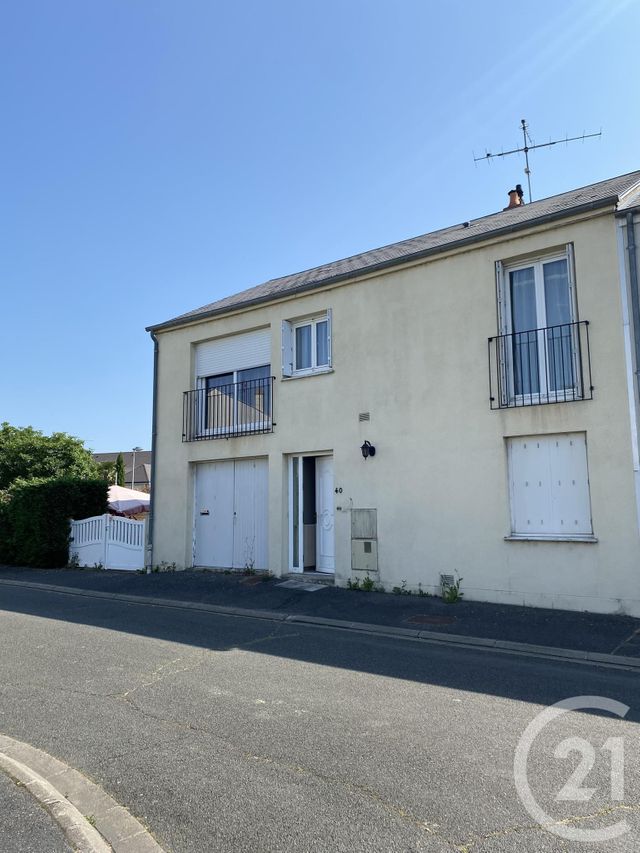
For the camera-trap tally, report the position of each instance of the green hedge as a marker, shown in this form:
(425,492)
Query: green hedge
(35,514)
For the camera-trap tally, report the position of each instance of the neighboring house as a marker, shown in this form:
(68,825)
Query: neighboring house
(492,366)
(142,479)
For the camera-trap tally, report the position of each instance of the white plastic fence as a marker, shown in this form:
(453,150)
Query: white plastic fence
(109,541)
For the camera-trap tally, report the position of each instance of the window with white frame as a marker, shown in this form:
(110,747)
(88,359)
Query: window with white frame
(306,345)
(232,394)
(539,348)
(240,399)
(549,486)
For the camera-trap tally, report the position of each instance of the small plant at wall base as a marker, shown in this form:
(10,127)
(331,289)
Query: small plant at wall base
(367,584)
(402,589)
(249,556)
(451,592)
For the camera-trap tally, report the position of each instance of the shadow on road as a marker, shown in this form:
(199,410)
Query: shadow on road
(522,678)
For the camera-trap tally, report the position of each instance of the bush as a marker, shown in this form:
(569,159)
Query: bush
(35,514)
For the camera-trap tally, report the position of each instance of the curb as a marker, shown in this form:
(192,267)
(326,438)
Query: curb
(70,798)
(435,637)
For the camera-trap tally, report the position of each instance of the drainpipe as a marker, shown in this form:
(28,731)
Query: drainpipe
(154,432)
(633,286)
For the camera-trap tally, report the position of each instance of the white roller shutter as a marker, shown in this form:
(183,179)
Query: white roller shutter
(236,352)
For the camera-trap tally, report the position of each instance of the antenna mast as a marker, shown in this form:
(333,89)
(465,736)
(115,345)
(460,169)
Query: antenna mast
(529,146)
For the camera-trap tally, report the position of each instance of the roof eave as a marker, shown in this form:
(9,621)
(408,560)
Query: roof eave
(383,265)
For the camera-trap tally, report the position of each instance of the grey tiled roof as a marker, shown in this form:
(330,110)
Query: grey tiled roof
(595,195)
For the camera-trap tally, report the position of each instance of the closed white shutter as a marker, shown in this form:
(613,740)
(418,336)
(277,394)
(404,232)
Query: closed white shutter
(287,349)
(236,352)
(530,486)
(329,336)
(502,301)
(571,272)
(550,485)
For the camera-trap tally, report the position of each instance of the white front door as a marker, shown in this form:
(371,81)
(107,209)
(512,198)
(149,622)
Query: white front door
(214,514)
(325,533)
(231,502)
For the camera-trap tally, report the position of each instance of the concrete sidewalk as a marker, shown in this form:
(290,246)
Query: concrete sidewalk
(552,629)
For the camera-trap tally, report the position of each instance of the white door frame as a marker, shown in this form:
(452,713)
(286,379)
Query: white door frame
(298,569)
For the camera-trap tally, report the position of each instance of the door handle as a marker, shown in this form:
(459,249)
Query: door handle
(204,512)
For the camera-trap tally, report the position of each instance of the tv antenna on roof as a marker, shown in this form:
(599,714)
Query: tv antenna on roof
(529,146)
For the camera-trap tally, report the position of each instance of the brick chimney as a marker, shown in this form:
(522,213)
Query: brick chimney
(515,198)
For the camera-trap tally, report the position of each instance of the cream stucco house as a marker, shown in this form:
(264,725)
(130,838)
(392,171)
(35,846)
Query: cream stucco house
(491,366)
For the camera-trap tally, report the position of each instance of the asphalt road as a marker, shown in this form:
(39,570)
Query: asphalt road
(233,734)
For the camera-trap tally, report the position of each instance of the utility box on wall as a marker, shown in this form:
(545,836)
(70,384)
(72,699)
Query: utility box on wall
(364,540)
(364,555)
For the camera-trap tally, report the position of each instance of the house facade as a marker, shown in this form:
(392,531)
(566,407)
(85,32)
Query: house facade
(459,405)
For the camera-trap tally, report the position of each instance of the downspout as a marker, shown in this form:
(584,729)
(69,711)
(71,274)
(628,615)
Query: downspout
(631,321)
(154,433)
(633,286)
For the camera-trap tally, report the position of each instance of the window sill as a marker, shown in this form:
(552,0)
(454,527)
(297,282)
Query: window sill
(523,537)
(303,374)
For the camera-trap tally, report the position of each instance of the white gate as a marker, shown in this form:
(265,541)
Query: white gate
(109,541)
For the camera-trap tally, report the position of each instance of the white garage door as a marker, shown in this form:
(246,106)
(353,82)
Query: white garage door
(231,514)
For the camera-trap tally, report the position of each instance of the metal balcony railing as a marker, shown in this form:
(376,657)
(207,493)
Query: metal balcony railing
(226,411)
(538,366)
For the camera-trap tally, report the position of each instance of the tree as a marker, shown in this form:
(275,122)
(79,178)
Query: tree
(27,453)
(120,476)
(108,472)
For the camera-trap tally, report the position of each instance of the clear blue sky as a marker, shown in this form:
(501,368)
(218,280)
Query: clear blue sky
(157,155)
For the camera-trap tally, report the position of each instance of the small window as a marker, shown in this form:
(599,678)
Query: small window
(306,346)
(239,401)
(549,486)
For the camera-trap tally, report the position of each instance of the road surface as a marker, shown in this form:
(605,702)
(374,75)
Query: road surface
(235,734)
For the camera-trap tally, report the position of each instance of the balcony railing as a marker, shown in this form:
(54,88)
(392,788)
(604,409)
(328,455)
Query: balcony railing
(539,366)
(239,408)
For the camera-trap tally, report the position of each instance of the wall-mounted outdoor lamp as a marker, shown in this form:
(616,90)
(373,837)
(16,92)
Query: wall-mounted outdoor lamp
(368,450)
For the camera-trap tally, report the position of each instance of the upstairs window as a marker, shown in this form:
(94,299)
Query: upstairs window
(233,387)
(538,352)
(243,396)
(306,345)
(540,298)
